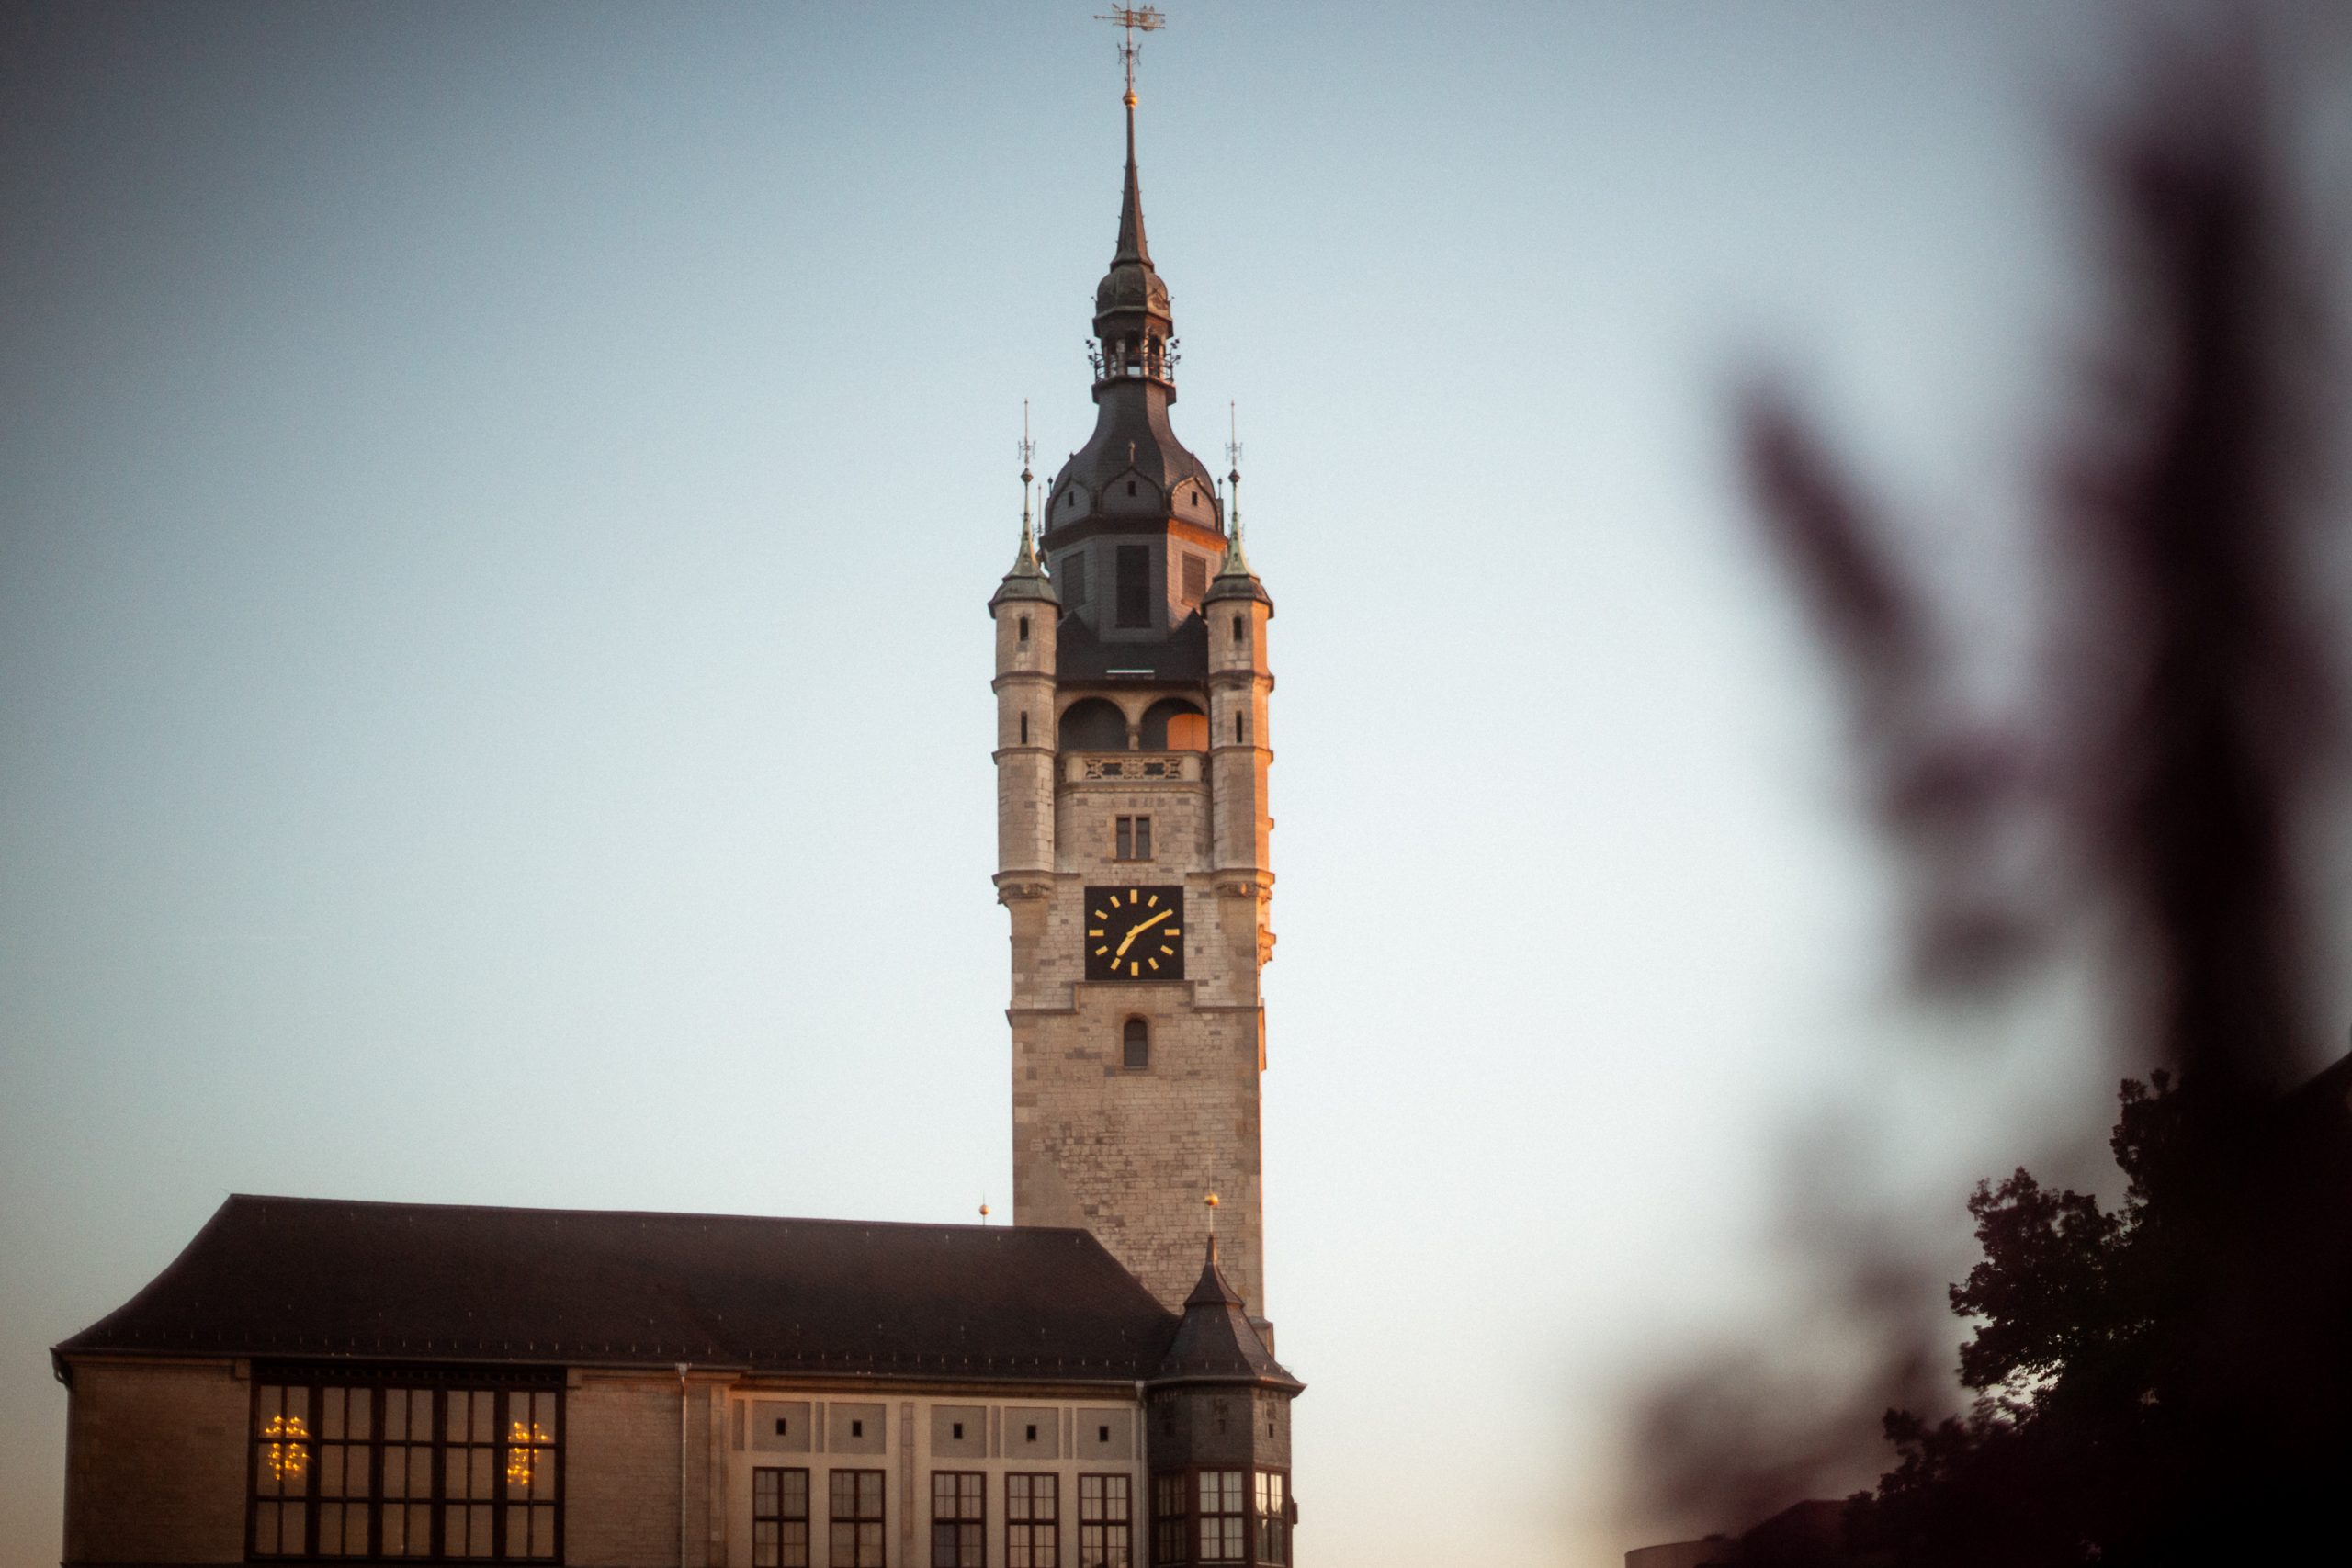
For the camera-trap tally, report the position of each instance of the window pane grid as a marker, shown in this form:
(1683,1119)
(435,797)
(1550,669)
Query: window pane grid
(1102,1529)
(779,1518)
(959,1519)
(1033,1521)
(368,1471)
(857,1519)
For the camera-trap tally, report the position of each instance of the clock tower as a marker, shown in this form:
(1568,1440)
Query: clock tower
(1131,757)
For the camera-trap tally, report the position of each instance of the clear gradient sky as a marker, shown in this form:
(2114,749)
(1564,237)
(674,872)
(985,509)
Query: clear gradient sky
(496,504)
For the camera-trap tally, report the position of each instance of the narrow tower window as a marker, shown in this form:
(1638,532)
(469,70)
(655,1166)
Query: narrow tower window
(1024,630)
(1025,729)
(1132,564)
(1241,729)
(1240,632)
(1135,1044)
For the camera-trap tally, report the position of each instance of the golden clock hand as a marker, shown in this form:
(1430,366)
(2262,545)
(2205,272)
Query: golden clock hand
(1140,929)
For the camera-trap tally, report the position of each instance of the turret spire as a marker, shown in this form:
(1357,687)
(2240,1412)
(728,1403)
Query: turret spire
(1027,579)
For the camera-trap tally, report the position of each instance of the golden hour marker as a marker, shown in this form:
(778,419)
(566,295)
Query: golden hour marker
(1100,916)
(1094,933)
(1154,963)
(1168,950)
(1133,969)
(1173,932)
(1151,901)
(1133,894)
(1115,900)
(1104,949)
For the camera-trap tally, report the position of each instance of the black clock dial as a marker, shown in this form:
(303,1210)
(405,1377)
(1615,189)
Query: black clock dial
(1133,933)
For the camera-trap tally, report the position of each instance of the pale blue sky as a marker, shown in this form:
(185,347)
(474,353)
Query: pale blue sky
(496,509)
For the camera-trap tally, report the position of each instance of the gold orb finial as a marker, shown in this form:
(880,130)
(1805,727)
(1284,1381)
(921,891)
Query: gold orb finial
(1210,1200)
(1131,97)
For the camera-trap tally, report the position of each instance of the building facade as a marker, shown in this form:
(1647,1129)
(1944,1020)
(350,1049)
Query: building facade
(316,1380)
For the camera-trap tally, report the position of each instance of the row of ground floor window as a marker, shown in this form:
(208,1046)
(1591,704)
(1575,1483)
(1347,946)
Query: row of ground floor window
(1198,1515)
(450,1473)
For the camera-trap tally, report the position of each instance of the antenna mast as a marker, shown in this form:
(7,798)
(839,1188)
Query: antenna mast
(1134,20)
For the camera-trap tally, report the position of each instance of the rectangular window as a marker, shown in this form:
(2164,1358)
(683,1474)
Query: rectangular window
(1222,1522)
(857,1519)
(1170,1524)
(357,1470)
(779,1518)
(1102,1522)
(1132,565)
(1131,838)
(1033,1521)
(958,1519)
(1273,1519)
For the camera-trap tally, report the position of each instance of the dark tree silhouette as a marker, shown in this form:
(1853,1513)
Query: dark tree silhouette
(2171,1381)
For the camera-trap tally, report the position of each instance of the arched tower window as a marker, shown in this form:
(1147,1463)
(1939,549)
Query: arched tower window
(1240,633)
(1171,724)
(1024,628)
(1134,1046)
(1025,729)
(1094,725)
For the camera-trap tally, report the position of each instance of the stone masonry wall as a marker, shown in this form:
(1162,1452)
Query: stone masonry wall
(1130,1155)
(155,1463)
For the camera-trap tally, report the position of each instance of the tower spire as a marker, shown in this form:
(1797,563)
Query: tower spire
(1133,20)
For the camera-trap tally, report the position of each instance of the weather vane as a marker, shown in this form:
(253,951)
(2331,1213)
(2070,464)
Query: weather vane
(1139,19)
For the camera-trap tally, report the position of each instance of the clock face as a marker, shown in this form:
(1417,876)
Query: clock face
(1134,933)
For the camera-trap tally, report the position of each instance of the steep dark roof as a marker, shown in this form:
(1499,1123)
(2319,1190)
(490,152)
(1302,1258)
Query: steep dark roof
(1216,1342)
(316,1278)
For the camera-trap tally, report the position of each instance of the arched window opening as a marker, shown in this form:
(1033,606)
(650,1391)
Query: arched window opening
(1171,724)
(1134,1046)
(1240,631)
(1025,729)
(1024,630)
(1241,729)
(1094,725)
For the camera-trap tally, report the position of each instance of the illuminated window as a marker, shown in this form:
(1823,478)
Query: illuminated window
(959,1519)
(1272,1519)
(1131,838)
(1220,1518)
(857,1519)
(779,1518)
(1102,1521)
(1033,1521)
(386,1470)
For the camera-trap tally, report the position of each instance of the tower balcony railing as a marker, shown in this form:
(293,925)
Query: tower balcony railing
(1153,359)
(1131,767)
